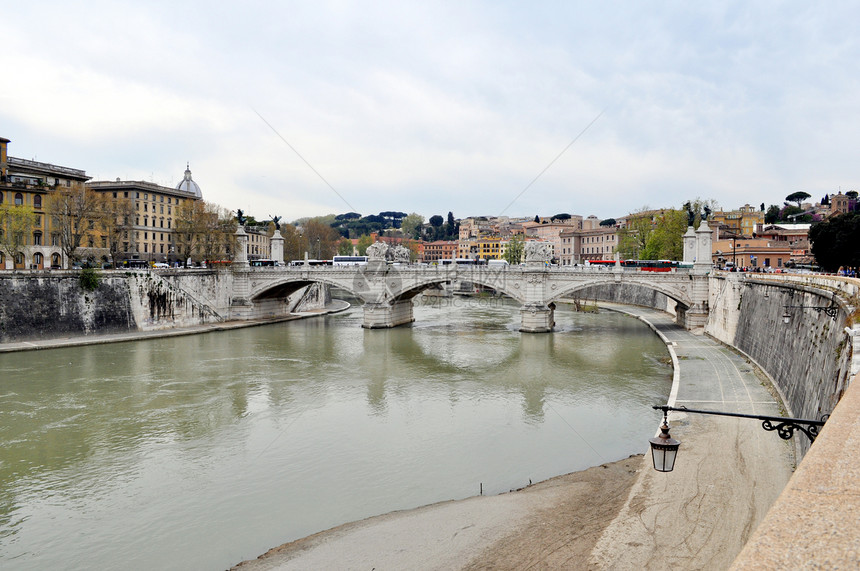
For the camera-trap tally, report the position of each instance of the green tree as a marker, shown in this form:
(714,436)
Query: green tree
(411,225)
(666,241)
(363,243)
(797,197)
(344,247)
(772,214)
(515,250)
(608,222)
(634,236)
(836,242)
(16,224)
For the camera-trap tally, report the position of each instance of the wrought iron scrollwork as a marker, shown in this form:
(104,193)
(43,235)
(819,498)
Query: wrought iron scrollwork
(785,427)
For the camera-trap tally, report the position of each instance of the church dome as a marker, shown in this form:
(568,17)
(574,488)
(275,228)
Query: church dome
(189,186)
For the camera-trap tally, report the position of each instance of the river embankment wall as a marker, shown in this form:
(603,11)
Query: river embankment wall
(45,305)
(798,330)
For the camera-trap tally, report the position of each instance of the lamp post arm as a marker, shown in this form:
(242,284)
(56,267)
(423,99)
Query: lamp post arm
(785,427)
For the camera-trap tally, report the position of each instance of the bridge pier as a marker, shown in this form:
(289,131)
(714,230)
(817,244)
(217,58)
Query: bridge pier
(387,314)
(537,318)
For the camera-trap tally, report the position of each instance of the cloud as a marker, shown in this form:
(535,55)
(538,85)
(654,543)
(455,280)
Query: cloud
(444,106)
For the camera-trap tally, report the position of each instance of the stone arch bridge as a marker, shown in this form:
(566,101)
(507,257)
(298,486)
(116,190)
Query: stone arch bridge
(387,290)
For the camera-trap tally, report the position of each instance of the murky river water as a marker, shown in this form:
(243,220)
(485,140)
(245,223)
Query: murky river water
(198,452)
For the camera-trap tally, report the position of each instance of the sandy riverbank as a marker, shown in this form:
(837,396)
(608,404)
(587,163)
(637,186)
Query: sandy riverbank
(551,525)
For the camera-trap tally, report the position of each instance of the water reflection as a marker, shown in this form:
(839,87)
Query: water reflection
(212,448)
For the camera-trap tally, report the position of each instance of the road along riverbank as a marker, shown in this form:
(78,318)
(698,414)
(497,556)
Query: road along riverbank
(622,515)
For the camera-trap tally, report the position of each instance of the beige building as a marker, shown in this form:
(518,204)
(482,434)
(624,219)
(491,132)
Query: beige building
(594,242)
(30,183)
(741,222)
(151,226)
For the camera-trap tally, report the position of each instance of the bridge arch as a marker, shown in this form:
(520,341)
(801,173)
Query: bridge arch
(415,287)
(284,287)
(682,297)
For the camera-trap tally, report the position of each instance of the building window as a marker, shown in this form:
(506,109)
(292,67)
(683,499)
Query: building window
(37,201)
(38,259)
(1,197)
(125,194)
(37,238)
(55,260)
(19,199)
(19,259)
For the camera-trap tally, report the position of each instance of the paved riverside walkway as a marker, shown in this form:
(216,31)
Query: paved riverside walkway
(728,473)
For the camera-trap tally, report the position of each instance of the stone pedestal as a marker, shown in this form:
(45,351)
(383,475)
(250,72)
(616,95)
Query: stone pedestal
(703,248)
(536,318)
(240,260)
(386,315)
(277,242)
(690,245)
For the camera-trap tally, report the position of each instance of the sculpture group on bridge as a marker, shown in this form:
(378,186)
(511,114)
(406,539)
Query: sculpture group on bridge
(382,252)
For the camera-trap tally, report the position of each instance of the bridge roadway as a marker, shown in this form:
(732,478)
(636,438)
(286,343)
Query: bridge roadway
(387,290)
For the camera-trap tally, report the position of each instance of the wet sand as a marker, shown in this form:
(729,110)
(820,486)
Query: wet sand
(551,525)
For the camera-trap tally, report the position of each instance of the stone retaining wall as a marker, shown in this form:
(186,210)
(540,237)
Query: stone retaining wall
(45,305)
(809,358)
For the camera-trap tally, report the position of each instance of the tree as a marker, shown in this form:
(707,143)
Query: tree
(116,223)
(436,220)
(320,239)
(836,243)
(515,250)
(294,243)
(189,224)
(411,225)
(393,218)
(797,197)
(16,223)
(772,214)
(537,219)
(452,228)
(634,236)
(217,240)
(563,216)
(344,247)
(608,222)
(666,241)
(363,243)
(74,212)
(851,194)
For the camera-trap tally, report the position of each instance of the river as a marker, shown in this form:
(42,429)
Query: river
(198,452)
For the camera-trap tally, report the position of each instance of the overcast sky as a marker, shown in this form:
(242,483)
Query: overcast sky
(308,108)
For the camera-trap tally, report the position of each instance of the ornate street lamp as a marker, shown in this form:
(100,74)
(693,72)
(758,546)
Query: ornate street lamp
(664,448)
